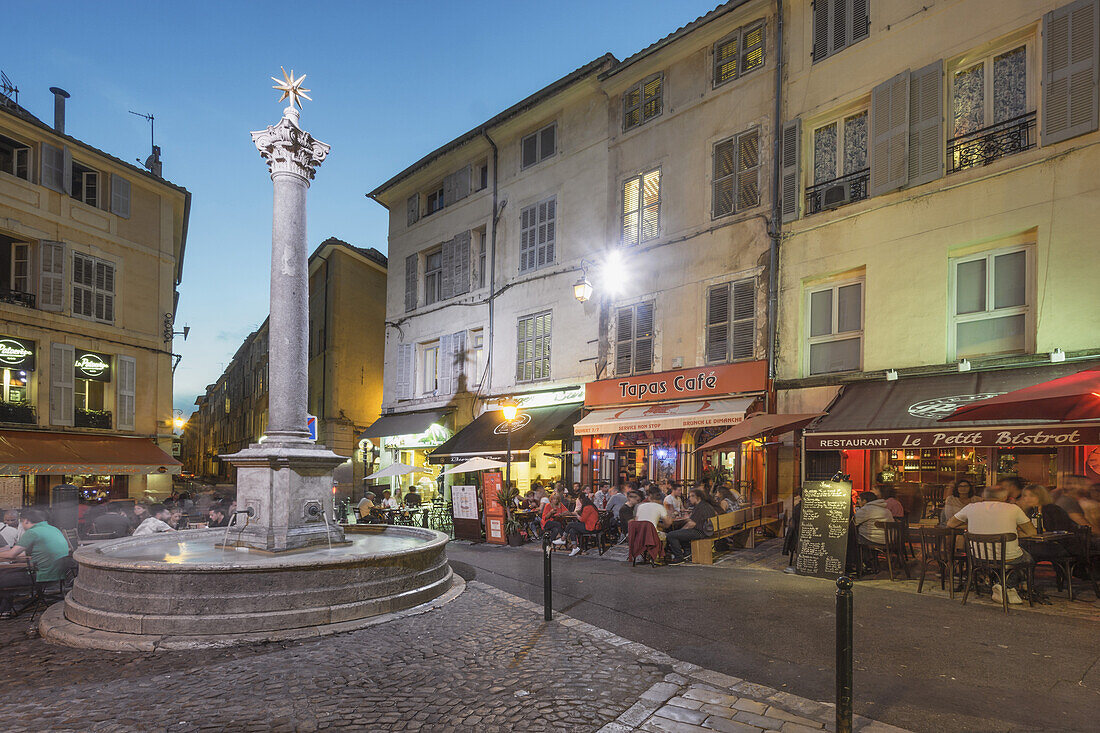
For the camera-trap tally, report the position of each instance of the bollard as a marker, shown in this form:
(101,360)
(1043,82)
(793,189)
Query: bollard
(547,609)
(843,654)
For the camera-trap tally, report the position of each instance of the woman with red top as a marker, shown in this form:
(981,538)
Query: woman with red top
(588,520)
(551,518)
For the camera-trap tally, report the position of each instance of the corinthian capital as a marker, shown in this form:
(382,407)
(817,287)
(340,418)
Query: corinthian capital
(289,149)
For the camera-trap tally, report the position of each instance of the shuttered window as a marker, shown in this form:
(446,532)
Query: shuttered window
(62,381)
(53,171)
(538,146)
(120,196)
(51,276)
(990,308)
(837,25)
(93,288)
(533,347)
(433,277)
(538,231)
(834,317)
(790,157)
(642,207)
(127,392)
(642,102)
(731,321)
(412,210)
(405,371)
(411,279)
(739,53)
(1070,70)
(890,135)
(634,339)
(736,184)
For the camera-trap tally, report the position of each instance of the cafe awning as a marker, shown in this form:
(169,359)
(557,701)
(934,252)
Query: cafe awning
(487,436)
(32,452)
(759,425)
(906,413)
(698,414)
(403,423)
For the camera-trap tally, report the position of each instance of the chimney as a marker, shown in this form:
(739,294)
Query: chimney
(59,97)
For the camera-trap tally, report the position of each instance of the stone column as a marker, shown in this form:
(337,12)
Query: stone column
(286,479)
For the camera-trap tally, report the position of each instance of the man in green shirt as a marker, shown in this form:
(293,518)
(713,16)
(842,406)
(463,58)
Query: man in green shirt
(43,544)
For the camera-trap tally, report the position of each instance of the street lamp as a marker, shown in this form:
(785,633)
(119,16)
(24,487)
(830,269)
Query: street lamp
(582,289)
(508,409)
(177,420)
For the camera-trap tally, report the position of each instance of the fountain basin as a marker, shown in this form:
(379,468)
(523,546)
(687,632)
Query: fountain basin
(184,584)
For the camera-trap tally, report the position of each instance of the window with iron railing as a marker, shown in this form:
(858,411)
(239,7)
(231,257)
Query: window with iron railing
(990,117)
(840,164)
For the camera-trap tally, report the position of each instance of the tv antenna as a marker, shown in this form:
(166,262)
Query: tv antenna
(152,163)
(8,89)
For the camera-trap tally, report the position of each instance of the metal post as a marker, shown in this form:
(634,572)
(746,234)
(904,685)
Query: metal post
(508,458)
(843,654)
(547,581)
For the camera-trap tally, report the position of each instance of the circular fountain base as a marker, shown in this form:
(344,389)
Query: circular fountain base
(181,590)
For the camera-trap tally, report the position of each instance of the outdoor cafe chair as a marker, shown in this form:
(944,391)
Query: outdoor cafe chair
(892,548)
(937,550)
(602,535)
(985,557)
(1083,558)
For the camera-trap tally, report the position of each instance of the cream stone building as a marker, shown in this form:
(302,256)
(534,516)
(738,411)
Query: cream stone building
(91,255)
(645,187)
(940,215)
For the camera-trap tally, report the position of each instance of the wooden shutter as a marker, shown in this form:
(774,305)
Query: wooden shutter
(120,196)
(723,181)
(444,370)
(447,271)
(725,55)
(460,282)
(127,392)
(51,276)
(410,281)
(624,340)
(790,155)
(718,316)
(547,220)
(748,170)
(528,230)
(104,291)
(448,189)
(1070,71)
(926,143)
(838,25)
(643,338)
(51,163)
(743,328)
(62,380)
(548,141)
(890,134)
(404,379)
(459,381)
(412,210)
(859,20)
(529,150)
(67,170)
(462,182)
(822,14)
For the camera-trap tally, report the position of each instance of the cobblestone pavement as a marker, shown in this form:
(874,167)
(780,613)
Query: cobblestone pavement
(484,662)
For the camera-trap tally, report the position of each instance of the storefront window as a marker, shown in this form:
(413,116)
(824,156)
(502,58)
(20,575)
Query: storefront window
(89,394)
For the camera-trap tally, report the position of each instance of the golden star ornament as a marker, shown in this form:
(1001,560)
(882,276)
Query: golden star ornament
(291,87)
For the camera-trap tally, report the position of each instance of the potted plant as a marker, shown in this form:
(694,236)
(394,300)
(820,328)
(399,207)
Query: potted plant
(506,497)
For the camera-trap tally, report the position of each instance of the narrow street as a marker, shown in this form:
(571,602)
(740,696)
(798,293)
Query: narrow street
(922,662)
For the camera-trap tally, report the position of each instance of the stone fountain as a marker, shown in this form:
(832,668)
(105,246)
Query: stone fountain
(283,571)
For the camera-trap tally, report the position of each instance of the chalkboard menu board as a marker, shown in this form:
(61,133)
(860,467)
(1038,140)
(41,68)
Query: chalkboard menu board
(823,528)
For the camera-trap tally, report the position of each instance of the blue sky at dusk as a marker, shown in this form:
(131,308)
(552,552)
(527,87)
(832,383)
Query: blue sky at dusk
(391,81)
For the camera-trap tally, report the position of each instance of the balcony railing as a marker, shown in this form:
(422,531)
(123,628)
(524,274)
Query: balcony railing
(837,192)
(92,418)
(17,412)
(986,145)
(16,296)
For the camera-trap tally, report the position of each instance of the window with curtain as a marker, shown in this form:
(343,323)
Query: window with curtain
(642,207)
(834,317)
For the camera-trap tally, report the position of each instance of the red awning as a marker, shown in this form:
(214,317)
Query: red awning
(757,425)
(31,452)
(1072,397)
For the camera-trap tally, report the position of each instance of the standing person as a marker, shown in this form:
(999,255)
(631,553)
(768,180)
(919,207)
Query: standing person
(600,497)
(697,527)
(962,493)
(155,522)
(1075,486)
(994,515)
(672,501)
(41,543)
(653,510)
(552,512)
(587,521)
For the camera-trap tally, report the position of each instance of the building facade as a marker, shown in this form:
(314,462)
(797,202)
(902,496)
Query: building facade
(91,255)
(347,287)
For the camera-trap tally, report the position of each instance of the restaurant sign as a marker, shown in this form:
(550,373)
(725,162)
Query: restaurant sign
(93,366)
(1055,436)
(681,384)
(16,354)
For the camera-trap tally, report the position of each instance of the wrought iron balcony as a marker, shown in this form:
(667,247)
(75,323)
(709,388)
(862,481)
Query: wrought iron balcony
(18,297)
(986,145)
(837,192)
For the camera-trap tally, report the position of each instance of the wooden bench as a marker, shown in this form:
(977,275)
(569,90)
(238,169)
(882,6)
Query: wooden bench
(739,527)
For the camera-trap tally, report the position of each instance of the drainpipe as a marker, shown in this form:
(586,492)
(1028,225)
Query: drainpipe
(487,380)
(775,227)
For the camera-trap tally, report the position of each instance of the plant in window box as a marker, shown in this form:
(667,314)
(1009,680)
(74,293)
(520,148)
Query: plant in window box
(17,412)
(92,418)
(506,497)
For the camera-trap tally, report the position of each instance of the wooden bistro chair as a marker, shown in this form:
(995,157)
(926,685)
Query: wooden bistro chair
(937,550)
(985,557)
(893,548)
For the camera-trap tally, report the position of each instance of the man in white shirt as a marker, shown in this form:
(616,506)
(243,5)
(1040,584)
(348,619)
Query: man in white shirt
(365,505)
(652,510)
(10,529)
(673,503)
(155,521)
(994,515)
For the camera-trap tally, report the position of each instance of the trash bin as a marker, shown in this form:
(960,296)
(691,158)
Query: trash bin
(63,506)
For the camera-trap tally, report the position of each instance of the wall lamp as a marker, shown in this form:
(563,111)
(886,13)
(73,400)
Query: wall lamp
(1057,356)
(891,375)
(964,365)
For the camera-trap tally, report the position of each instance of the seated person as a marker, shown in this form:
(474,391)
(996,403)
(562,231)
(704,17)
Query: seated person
(672,501)
(889,496)
(588,521)
(41,543)
(552,513)
(653,510)
(217,517)
(871,509)
(728,498)
(388,502)
(995,515)
(111,522)
(365,505)
(626,509)
(697,526)
(10,529)
(412,499)
(155,522)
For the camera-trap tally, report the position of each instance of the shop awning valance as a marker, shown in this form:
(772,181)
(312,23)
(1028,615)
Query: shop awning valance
(404,423)
(906,413)
(699,414)
(759,425)
(33,452)
(487,436)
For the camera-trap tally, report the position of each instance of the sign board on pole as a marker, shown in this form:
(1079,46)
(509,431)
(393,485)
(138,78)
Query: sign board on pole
(491,483)
(823,528)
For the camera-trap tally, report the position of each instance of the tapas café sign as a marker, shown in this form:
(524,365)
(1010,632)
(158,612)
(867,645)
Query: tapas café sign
(1055,436)
(16,354)
(681,384)
(93,366)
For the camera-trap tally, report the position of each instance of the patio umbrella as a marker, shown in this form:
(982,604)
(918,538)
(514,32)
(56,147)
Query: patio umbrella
(475,464)
(395,469)
(1073,397)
